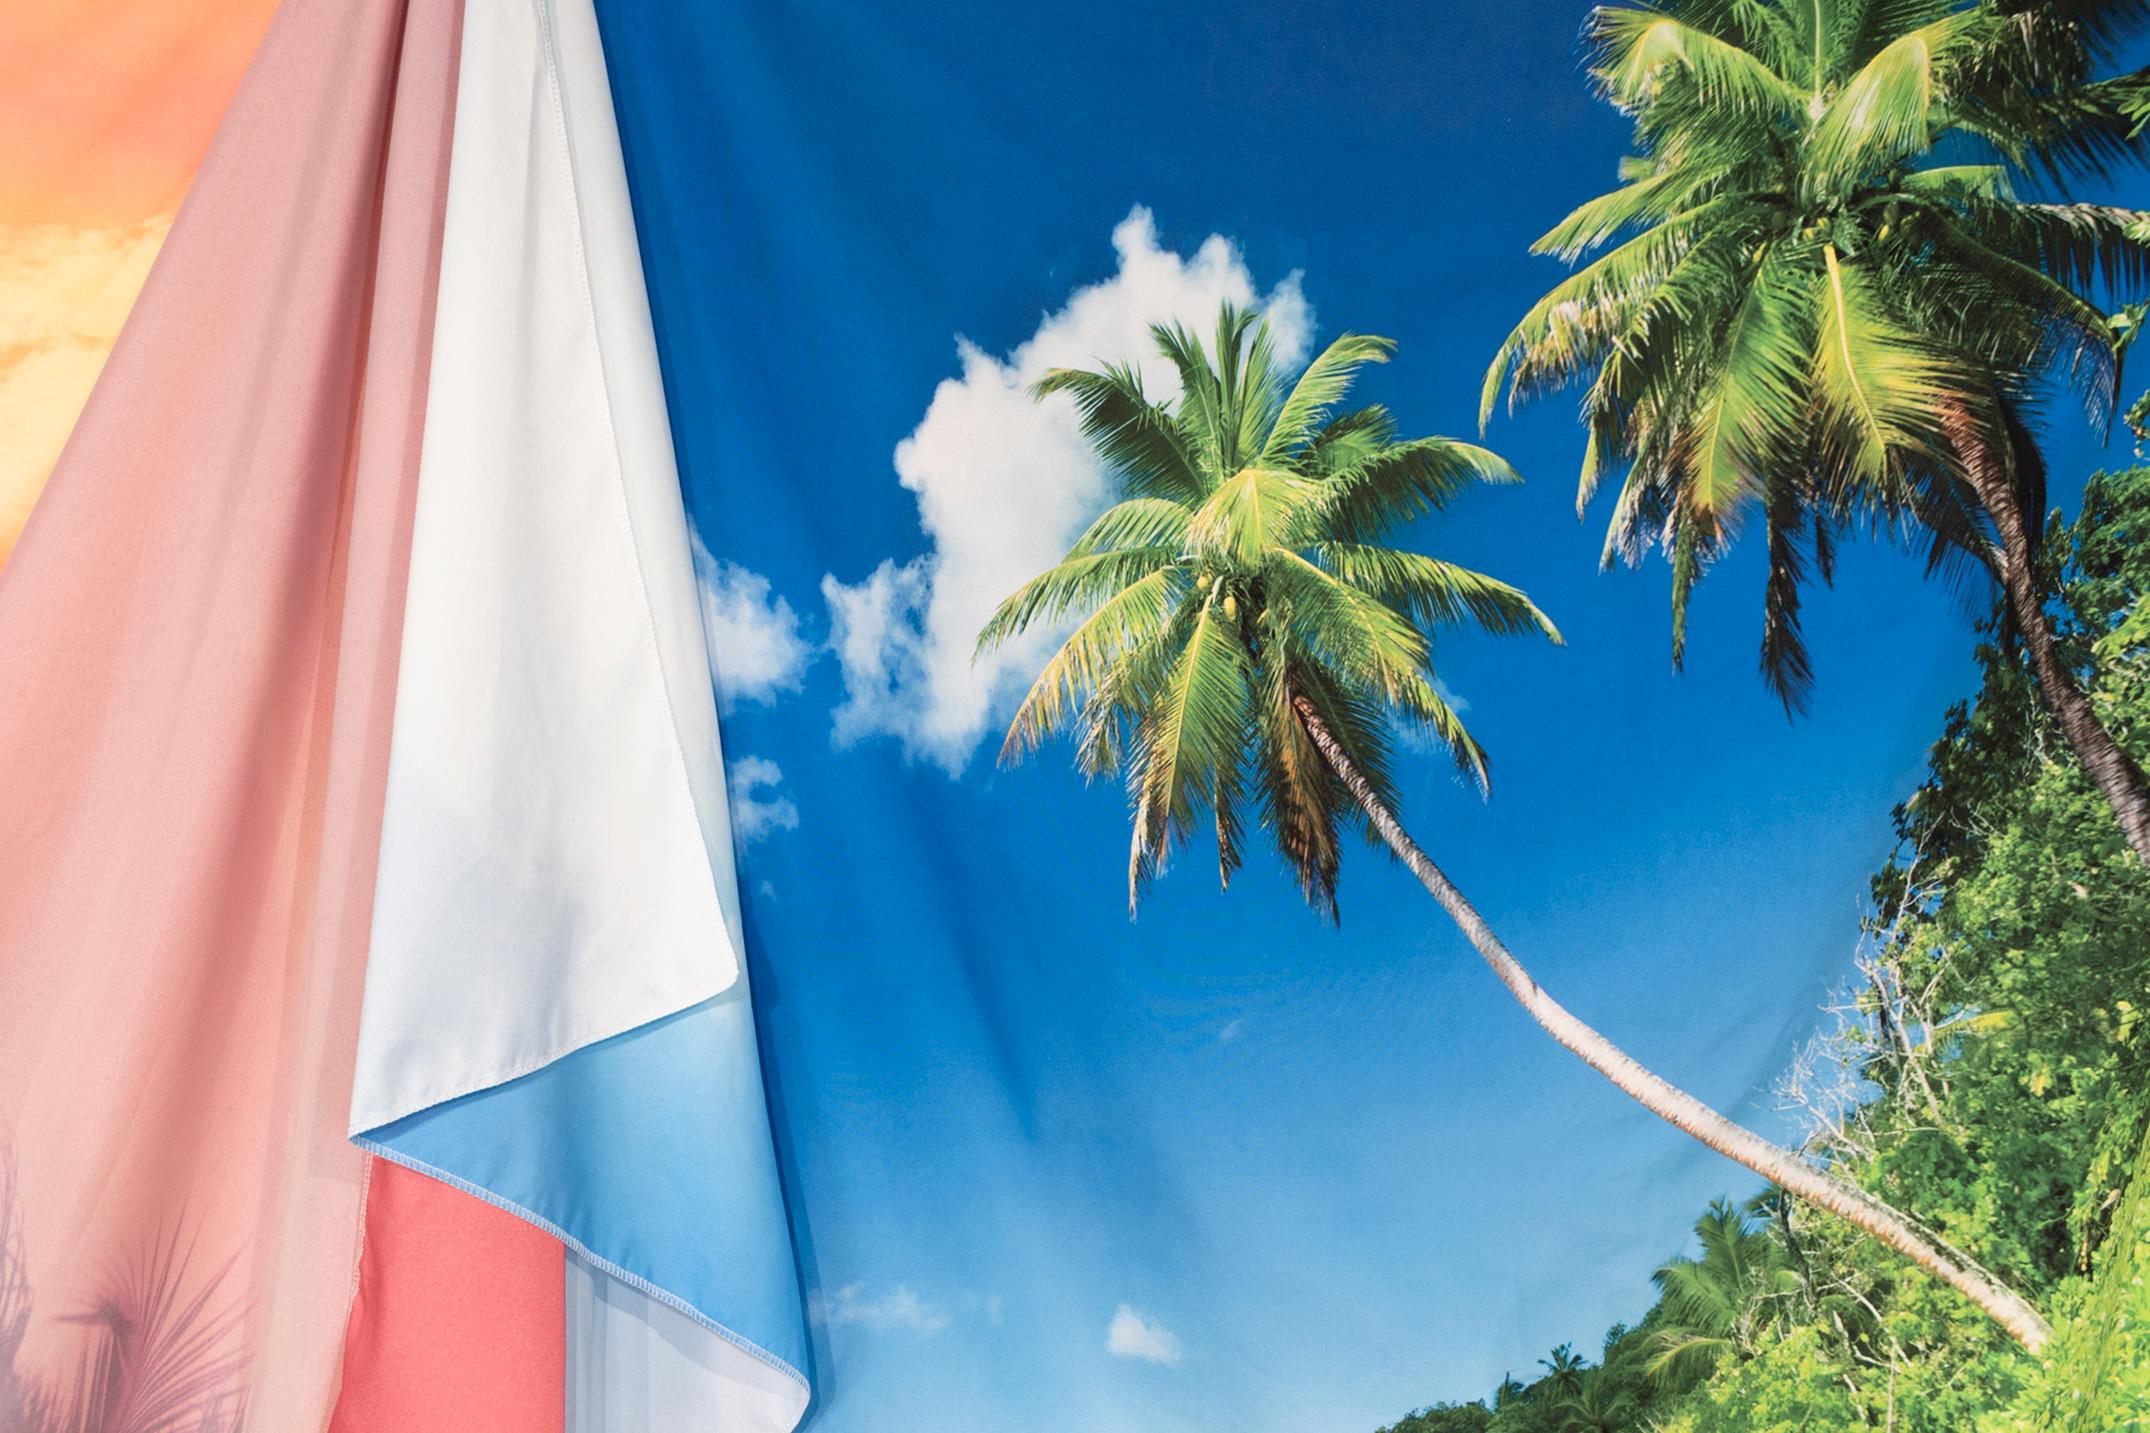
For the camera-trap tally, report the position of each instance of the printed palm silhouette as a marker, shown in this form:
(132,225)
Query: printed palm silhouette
(156,1358)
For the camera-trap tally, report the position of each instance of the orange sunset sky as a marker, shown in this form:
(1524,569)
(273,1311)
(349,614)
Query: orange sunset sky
(106,107)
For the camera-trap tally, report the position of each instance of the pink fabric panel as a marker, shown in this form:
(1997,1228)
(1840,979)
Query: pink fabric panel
(200,631)
(309,1238)
(461,1317)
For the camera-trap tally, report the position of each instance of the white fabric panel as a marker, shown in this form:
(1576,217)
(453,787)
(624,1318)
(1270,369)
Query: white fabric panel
(556,863)
(635,1364)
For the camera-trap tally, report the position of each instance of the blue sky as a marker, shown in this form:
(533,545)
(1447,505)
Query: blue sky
(1223,1166)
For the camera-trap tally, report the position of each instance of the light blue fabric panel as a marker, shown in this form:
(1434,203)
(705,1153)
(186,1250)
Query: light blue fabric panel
(649,1154)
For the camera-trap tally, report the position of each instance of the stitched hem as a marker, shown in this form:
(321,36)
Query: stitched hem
(584,1252)
(358,1256)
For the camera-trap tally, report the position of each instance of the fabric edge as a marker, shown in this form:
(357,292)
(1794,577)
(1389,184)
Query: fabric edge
(594,1260)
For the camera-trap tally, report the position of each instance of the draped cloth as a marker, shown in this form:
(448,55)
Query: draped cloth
(193,737)
(556,1015)
(367,796)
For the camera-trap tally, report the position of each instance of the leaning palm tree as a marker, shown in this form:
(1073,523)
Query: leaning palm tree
(1830,311)
(1247,640)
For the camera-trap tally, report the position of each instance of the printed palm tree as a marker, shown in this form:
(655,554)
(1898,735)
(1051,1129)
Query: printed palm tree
(1830,312)
(1564,1371)
(1721,1301)
(1596,1406)
(1246,638)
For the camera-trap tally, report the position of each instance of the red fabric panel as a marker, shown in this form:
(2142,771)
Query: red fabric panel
(460,1324)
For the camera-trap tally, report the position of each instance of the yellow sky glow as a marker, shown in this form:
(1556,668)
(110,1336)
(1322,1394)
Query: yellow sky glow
(106,107)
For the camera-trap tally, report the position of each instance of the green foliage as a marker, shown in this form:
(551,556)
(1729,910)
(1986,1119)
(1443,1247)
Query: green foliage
(1989,1066)
(1721,1303)
(1818,303)
(1243,571)
(2098,1375)
(1444,1418)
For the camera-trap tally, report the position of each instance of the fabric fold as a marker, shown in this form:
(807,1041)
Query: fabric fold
(556,1017)
(553,834)
(200,629)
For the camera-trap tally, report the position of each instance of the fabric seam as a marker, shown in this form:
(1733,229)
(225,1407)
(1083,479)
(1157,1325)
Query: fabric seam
(358,1257)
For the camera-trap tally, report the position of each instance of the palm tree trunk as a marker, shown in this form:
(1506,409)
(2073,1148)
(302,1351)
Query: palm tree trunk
(2107,763)
(1668,1102)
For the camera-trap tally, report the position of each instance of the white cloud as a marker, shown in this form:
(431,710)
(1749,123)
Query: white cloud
(755,650)
(876,630)
(1005,484)
(1134,1334)
(900,1308)
(1232,1030)
(758,803)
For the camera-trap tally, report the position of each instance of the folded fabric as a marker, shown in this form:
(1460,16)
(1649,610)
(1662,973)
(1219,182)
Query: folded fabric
(556,1017)
(371,797)
(193,734)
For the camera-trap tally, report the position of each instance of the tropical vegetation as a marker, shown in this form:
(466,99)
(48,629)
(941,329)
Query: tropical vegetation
(1245,639)
(1987,1063)
(1826,304)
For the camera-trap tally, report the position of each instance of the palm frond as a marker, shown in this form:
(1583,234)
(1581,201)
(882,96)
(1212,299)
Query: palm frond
(1242,370)
(1244,516)
(1879,388)
(1201,414)
(1393,488)
(1751,418)
(1892,108)
(1347,440)
(1135,523)
(1961,183)
(1136,438)
(1787,668)
(1434,593)
(1657,195)
(1318,390)
(2079,246)
(2030,322)
(1568,328)
(1300,796)
(1350,631)
(1190,750)
(1634,49)
(1422,704)
(1086,661)
(1077,584)
(1259,397)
